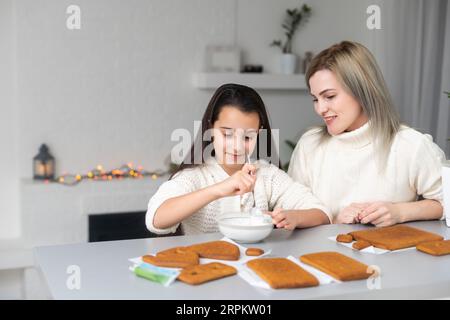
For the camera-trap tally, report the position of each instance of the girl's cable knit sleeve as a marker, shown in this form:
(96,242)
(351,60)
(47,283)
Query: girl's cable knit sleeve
(182,183)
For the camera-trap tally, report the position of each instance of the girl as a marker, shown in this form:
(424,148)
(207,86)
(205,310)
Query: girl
(363,164)
(223,182)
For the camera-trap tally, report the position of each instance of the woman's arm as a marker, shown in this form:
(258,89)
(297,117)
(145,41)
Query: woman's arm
(386,213)
(420,210)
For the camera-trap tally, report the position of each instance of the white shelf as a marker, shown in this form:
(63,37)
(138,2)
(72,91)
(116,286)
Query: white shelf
(266,81)
(15,254)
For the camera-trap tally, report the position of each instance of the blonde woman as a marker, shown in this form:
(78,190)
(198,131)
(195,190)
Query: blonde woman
(363,164)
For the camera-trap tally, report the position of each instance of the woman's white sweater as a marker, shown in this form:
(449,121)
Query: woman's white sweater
(273,189)
(343,169)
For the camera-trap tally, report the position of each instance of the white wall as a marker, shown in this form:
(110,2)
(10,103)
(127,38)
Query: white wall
(9,189)
(113,91)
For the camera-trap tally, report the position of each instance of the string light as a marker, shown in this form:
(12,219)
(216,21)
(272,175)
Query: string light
(98,174)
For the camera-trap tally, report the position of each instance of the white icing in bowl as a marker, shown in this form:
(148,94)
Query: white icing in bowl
(243,227)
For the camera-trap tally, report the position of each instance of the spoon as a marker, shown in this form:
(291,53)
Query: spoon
(253,211)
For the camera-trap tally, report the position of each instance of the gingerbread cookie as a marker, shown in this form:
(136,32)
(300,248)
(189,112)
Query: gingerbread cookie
(202,273)
(395,237)
(435,248)
(221,250)
(337,265)
(254,252)
(360,245)
(178,257)
(345,238)
(282,273)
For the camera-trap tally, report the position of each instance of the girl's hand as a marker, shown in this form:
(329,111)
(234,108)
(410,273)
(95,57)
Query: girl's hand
(350,214)
(381,214)
(239,183)
(284,219)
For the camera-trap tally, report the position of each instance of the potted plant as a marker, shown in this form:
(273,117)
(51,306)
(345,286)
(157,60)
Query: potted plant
(294,18)
(446,183)
(448,95)
(291,144)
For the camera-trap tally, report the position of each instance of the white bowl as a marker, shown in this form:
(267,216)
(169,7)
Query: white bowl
(245,228)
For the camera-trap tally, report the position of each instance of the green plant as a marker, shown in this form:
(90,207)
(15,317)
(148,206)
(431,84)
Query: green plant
(448,95)
(291,145)
(293,19)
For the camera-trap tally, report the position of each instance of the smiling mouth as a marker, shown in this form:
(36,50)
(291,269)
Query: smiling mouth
(329,119)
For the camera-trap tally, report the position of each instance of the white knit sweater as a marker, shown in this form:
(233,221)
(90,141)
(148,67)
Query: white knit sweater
(343,169)
(273,189)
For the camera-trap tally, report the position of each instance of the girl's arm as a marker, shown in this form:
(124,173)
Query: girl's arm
(291,219)
(309,217)
(176,209)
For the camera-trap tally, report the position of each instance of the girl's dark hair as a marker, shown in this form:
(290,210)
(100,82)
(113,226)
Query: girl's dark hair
(246,100)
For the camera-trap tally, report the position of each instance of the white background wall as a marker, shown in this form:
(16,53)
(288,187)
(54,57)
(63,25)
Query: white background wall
(9,154)
(113,91)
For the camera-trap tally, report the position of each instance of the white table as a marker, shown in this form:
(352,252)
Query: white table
(105,275)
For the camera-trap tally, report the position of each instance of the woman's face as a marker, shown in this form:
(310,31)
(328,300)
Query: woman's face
(235,134)
(339,110)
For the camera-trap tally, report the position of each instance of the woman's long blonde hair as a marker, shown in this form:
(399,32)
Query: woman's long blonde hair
(359,74)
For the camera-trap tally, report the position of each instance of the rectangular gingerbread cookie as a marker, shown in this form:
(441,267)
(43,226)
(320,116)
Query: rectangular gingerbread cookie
(337,265)
(202,273)
(395,237)
(435,248)
(282,273)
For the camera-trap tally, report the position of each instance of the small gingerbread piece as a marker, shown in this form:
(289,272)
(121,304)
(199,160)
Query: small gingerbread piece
(345,238)
(254,252)
(435,248)
(360,245)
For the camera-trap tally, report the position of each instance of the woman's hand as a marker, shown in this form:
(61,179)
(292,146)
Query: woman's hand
(350,214)
(284,219)
(381,214)
(239,183)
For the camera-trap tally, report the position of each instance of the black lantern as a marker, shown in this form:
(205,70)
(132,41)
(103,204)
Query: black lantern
(44,164)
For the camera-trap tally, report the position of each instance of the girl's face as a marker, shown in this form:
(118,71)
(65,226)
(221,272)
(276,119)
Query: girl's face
(339,110)
(235,134)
